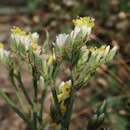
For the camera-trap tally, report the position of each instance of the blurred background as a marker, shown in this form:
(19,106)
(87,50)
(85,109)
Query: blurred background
(111,82)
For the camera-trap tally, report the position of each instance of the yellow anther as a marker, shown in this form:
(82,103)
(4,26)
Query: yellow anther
(17,30)
(1,45)
(89,21)
(65,86)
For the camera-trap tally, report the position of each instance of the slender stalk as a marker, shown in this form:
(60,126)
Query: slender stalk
(35,86)
(42,103)
(42,125)
(11,75)
(34,74)
(21,85)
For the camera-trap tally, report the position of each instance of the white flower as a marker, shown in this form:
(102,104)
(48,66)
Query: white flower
(19,37)
(102,53)
(3,53)
(82,25)
(61,39)
(34,37)
(86,30)
(81,31)
(75,32)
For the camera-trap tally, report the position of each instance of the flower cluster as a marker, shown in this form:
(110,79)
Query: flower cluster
(61,39)
(23,41)
(91,58)
(84,25)
(69,43)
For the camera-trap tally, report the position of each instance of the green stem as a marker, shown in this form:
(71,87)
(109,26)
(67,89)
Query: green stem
(21,85)
(42,125)
(42,103)
(34,74)
(67,117)
(35,86)
(11,75)
(56,101)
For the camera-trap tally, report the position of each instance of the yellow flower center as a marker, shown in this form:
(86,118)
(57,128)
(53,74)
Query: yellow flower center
(1,45)
(66,87)
(84,21)
(17,30)
(35,46)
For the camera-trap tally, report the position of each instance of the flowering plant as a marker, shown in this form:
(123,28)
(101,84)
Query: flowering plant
(45,62)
